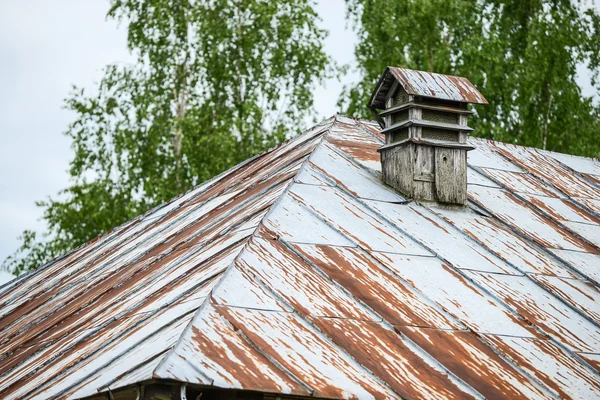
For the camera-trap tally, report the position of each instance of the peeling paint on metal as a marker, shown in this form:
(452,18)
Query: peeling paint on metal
(299,272)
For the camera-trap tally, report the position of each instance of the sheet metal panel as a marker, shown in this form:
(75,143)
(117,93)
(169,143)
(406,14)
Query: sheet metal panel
(240,290)
(441,238)
(581,294)
(548,170)
(439,86)
(591,359)
(543,310)
(406,369)
(385,293)
(311,176)
(561,209)
(212,351)
(522,254)
(521,183)
(144,372)
(591,232)
(354,178)
(355,221)
(358,141)
(550,364)
(476,178)
(295,223)
(521,217)
(592,204)
(580,164)
(586,263)
(467,357)
(484,156)
(455,294)
(306,353)
(300,285)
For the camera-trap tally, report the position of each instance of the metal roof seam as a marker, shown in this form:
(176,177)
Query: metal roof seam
(450,264)
(361,167)
(495,146)
(265,354)
(524,273)
(108,322)
(50,312)
(575,172)
(361,126)
(186,330)
(199,188)
(332,281)
(422,296)
(526,237)
(541,211)
(63,373)
(521,370)
(106,386)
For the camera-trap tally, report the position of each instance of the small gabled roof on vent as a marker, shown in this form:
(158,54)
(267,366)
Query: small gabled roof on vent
(426,84)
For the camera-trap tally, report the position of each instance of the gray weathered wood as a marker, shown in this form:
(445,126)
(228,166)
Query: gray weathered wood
(451,175)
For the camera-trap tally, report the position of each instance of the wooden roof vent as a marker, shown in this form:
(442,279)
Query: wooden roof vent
(424,118)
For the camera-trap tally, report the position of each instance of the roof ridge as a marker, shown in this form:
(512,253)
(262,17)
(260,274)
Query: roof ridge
(171,352)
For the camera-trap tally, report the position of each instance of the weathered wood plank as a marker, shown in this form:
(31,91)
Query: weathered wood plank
(451,175)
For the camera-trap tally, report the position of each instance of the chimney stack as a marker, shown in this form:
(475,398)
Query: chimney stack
(424,118)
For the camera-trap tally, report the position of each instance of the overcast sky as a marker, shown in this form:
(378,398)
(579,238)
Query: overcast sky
(45,47)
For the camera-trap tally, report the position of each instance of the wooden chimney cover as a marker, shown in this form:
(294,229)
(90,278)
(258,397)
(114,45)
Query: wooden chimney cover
(424,119)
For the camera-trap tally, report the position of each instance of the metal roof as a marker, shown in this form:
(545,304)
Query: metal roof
(299,272)
(426,84)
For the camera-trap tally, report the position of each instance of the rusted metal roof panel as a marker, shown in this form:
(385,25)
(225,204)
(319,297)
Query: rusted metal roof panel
(478,365)
(459,297)
(550,364)
(214,352)
(438,236)
(544,310)
(347,174)
(502,241)
(439,86)
(357,222)
(299,272)
(548,169)
(358,140)
(405,368)
(585,263)
(520,182)
(308,354)
(378,287)
(523,217)
(579,293)
(298,284)
(582,165)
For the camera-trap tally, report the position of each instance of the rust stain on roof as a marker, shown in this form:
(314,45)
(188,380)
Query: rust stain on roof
(439,86)
(299,272)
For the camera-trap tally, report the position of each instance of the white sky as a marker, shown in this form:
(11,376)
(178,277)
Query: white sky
(45,47)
